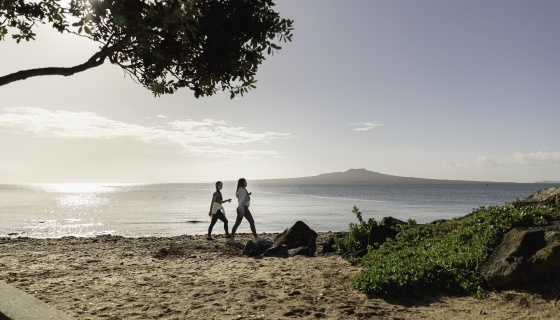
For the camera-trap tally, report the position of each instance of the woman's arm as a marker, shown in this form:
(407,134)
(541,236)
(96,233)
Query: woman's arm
(241,197)
(211,204)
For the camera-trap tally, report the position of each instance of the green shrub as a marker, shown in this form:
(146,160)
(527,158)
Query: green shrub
(442,256)
(356,240)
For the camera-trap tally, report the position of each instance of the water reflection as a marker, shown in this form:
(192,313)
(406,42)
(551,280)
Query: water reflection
(77,200)
(74,209)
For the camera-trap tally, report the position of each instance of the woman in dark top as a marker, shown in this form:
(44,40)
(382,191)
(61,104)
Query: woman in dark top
(217,211)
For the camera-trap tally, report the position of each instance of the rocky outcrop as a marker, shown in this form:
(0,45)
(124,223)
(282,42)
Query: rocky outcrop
(529,255)
(297,240)
(543,196)
(525,256)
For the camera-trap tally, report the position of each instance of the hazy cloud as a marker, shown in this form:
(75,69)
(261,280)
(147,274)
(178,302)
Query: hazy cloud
(217,131)
(451,164)
(364,126)
(195,137)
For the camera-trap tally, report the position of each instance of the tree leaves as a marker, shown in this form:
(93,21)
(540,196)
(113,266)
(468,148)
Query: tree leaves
(204,45)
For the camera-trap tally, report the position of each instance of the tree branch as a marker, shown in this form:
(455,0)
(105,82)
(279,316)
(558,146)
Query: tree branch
(96,60)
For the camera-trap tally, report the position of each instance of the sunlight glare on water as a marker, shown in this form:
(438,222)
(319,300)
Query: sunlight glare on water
(75,195)
(73,209)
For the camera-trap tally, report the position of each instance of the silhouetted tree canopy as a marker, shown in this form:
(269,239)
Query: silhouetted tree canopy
(204,45)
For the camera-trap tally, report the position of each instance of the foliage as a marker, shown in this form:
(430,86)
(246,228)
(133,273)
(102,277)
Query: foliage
(357,238)
(445,255)
(356,241)
(204,45)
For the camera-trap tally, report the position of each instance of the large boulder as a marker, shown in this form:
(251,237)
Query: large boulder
(387,228)
(297,240)
(525,256)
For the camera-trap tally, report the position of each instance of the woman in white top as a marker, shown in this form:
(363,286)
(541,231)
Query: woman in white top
(217,211)
(244,198)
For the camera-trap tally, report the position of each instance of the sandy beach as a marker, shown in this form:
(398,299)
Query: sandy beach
(188,277)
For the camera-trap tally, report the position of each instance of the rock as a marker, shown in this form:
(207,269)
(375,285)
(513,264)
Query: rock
(391,222)
(253,249)
(328,246)
(299,251)
(298,236)
(525,256)
(439,221)
(280,250)
(543,196)
(236,244)
(386,229)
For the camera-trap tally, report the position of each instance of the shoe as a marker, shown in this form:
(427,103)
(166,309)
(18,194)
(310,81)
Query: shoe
(228,235)
(210,239)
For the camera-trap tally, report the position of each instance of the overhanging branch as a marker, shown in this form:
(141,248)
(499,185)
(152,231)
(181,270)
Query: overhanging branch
(96,60)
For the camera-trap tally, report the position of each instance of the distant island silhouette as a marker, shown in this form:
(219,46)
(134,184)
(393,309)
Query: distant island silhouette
(363,176)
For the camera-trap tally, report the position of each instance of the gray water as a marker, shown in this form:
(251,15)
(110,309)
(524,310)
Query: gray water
(133,210)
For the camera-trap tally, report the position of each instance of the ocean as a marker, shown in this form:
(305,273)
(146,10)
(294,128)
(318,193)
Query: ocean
(136,210)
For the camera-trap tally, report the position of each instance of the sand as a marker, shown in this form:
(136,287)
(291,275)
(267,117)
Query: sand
(188,277)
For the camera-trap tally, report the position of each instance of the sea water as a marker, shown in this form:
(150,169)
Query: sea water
(134,210)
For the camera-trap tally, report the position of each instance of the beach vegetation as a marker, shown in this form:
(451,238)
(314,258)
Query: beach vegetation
(356,240)
(443,256)
(203,45)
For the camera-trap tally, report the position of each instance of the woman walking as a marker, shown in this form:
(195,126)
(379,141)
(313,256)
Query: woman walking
(244,198)
(217,211)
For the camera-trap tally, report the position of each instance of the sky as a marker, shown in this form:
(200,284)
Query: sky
(459,90)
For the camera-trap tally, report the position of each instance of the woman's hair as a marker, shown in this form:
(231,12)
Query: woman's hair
(240,183)
(217,183)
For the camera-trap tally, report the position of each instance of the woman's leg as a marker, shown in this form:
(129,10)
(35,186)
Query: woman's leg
(223,218)
(237,223)
(212,223)
(249,218)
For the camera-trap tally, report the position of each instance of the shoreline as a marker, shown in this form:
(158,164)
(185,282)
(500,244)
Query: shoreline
(140,212)
(188,277)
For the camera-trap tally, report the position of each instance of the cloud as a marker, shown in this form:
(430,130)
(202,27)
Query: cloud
(194,137)
(217,131)
(451,164)
(365,126)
